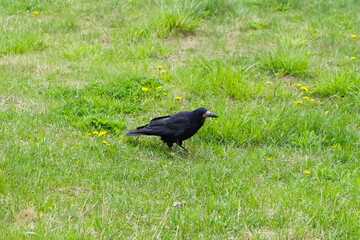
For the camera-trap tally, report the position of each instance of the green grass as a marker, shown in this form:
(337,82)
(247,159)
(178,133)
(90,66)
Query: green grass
(286,60)
(182,16)
(280,162)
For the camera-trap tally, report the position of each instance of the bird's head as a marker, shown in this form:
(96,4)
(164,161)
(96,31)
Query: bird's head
(204,113)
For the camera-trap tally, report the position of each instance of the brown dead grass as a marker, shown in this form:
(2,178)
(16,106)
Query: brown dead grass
(29,105)
(27,217)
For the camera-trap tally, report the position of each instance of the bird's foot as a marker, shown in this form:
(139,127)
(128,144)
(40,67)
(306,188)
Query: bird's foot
(184,148)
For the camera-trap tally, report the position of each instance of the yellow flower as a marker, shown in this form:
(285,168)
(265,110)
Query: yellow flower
(305,98)
(296,102)
(153,75)
(268,159)
(178,98)
(145,89)
(305,88)
(104,142)
(353,36)
(88,134)
(102,133)
(307,171)
(269,83)
(163,71)
(217,52)
(159,67)
(276,74)
(108,145)
(95,132)
(311,100)
(225,169)
(159,87)
(298,85)
(326,112)
(165,93)
(35,12)
(353,58)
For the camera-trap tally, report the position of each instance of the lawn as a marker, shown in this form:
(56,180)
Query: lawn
(282,161)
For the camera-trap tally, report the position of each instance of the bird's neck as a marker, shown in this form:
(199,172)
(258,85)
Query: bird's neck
(202,121)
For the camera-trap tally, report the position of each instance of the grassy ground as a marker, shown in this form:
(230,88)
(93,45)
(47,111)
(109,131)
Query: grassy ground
(282,161)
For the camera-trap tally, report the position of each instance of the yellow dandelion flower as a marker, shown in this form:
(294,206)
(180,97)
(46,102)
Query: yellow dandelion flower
(298,85)
(305,88)
(163,71)
(145,89)
(108,145)
(276,74)
(307,172)
(35,12)
(225,169)
(353,58)
(159,67)
(104,142)
(95,132)
(326,112)
(298,102)
(353,36)
(312,100)
(305,98)
(88,134)
(178,98)
(217,52)
(102,133)
(269,83)
(153,75)
(165,93)
(268,159)
(159,87)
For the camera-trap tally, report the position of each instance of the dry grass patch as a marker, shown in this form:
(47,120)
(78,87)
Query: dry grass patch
(27,218)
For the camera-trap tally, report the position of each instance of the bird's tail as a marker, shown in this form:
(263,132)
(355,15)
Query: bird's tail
(135,132)
(139,131)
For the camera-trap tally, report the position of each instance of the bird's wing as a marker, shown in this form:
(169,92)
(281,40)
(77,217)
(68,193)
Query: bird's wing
(178,125)
(159,118)
(167,126)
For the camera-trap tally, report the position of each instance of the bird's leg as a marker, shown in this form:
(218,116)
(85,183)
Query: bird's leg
(180,145)
(170,146)
(184,148)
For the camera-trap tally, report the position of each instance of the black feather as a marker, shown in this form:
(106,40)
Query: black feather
(175,128)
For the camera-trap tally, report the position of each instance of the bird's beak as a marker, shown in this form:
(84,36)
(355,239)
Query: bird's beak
(210,114)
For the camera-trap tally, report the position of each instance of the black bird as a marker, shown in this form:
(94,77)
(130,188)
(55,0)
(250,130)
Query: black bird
(175,128)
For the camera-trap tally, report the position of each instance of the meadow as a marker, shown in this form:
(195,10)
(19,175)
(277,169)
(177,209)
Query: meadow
(282,161)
